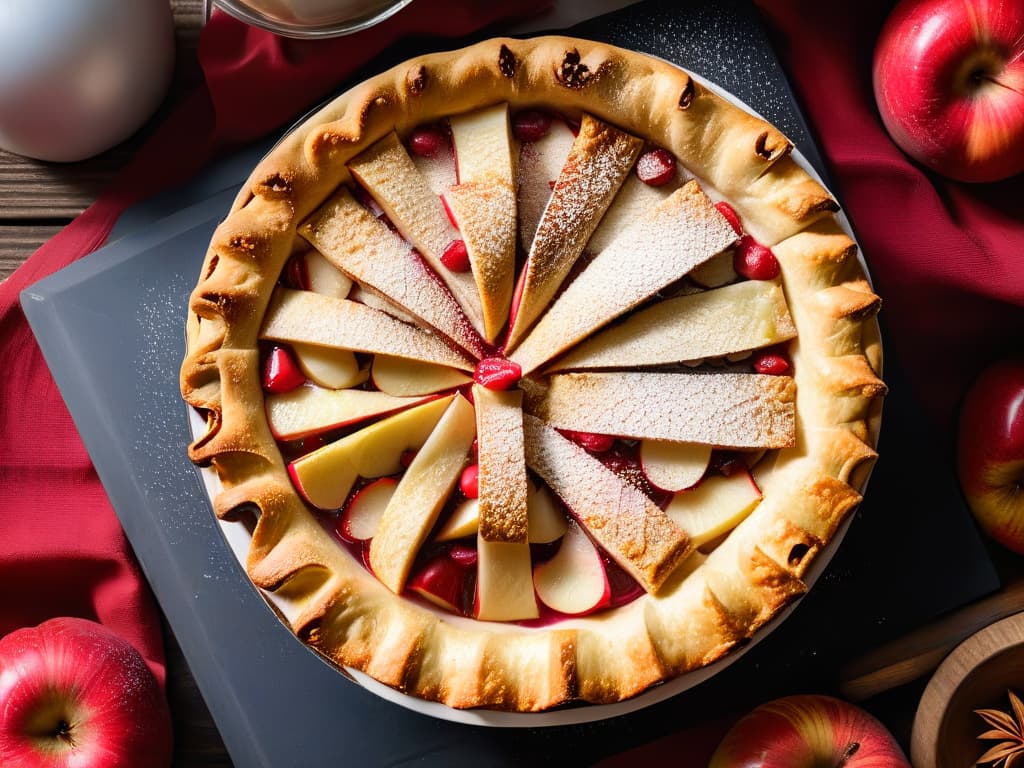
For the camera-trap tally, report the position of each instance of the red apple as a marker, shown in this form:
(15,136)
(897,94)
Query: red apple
(808,731)
(990,451)
(949,83)
(73,693)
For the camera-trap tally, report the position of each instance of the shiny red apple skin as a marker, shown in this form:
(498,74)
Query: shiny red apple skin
(808,731)
(949,84)
(73,693)
(990,451)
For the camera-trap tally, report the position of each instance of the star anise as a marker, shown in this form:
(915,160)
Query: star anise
(1008,730)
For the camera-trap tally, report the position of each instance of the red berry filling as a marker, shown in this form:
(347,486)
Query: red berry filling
(456,256)
(731,216)
(497,373)
(427,142)
(530,125)
(754,261)
(656,167)
(771,363)
(592,442)
(280,372)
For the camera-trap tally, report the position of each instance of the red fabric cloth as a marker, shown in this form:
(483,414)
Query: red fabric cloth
(64,551)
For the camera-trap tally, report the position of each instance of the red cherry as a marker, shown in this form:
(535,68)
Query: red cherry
(469,482)
(497,373)
(462,555)
(455,256)
(530,125)
(295,273)
(772,364)
(656,167)
(426,142)
(731,216)
(754,261)
(591,441)
(280,372)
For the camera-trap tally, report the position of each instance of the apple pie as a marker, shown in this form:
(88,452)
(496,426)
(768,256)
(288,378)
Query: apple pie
(541,372)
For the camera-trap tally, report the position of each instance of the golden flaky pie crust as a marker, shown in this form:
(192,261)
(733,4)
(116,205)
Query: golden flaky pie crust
(710,605)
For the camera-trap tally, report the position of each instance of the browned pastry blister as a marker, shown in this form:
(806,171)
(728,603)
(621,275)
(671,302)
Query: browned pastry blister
(697,608)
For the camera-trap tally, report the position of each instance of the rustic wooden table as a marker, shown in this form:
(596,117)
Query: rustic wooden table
(38,199)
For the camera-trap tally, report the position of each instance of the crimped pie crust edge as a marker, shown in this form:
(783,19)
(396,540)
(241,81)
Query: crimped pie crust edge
(712,605)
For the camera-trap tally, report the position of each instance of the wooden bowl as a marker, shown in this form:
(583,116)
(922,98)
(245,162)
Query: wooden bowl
(975,675)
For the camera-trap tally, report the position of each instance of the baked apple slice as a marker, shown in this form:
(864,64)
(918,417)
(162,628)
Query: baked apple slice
(311,410)
(309,318)
(735,410)
(405,378)
(717,505)
(325,477)
(600,158)
(360,518)
(330,367)
(421,493)
(630,527)
(661,246)
(674,466)
(574,581)
(542,153)
(504,580)
(387,172)
(464,521)
(361,245)
(713,323)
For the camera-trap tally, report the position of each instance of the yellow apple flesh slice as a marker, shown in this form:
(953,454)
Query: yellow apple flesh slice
(361,517)
(309,318)
(630,527)
(600,158)
(734,410)
(325,476)
(574,580)
(388,173)
(329,367)
(406,378)
(361,245)
(540,163)
(421,493)
(716,506)
(310,410)
(547,520)
(504,582)
(715,272)
(463,522)
(324,277)
(713,323)
(673,466)
(656,250)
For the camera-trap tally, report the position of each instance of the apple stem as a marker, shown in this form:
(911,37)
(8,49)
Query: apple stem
(851,749)
(64,732)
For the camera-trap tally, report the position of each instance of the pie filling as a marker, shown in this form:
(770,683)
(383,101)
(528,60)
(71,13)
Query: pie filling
(524,368)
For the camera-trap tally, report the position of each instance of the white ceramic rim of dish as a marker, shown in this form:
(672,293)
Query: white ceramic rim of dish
(238,539)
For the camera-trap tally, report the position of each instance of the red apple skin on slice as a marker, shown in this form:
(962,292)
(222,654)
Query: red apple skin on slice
(325,477)
(362,514)
(673,466)
(311,410)
(574,581)
(443,582)
(716,506)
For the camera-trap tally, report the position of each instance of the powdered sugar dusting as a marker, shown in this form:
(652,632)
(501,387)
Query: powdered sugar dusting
(674,237)
(623,520)
(503,487)
(734,410)
(540,163)
(598,163)
(365,249)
